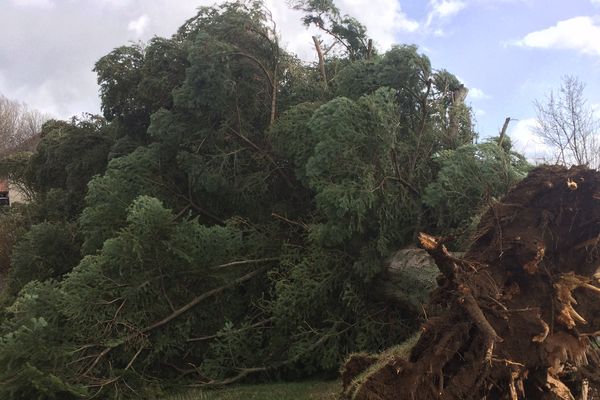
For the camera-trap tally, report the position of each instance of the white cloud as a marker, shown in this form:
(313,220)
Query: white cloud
(595,2)
(139,26)
(479,112)
(115,3)
(50,67)
(496,3)
(581,34)
(478,94)
(526,142)
(52,72)
(448,8)
(443,10)
(294,36)
(33,3)
(384,19)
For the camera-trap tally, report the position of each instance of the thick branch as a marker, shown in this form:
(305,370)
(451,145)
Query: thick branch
(195,301)
(503,131)
(474,311)
(260,65)
(321,60)
(443,260)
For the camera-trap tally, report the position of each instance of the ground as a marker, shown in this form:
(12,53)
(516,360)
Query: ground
(275,391)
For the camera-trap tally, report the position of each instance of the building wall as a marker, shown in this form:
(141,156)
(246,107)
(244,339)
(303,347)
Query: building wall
(15,195)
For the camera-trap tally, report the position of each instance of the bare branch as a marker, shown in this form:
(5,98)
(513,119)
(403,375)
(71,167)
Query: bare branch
(567,124)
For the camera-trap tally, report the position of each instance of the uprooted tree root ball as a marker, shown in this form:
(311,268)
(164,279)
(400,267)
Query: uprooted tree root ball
(521,309)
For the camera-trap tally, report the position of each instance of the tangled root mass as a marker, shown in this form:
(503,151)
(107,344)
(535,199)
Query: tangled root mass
(520,310)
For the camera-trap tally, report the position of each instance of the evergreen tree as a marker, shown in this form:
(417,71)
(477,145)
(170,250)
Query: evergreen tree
(237,210)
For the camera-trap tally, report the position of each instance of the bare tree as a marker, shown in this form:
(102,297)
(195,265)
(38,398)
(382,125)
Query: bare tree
(567,123)
(18,123)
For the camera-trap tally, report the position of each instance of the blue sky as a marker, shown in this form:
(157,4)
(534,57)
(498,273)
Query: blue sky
(512,52)
(508,52)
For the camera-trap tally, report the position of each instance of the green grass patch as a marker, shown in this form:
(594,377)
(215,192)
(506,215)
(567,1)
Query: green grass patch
(273,391)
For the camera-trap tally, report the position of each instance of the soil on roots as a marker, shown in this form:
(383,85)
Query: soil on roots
(520,309)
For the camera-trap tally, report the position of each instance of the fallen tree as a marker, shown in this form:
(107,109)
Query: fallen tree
(407,278)
(519,310)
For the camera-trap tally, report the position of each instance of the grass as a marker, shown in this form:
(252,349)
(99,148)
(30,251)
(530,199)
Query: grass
(274,391)
(311,390)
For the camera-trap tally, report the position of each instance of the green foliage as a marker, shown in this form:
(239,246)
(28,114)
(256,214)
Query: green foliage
(292,138)
(401,68)
(68,156)
(346,31)
(13,227)
(110,195)
(470,178)
(118,76)
(233,55)
(152,266)
(48,250)
(137,80)
(351,163)
(34,347)
(349,322)
(234,347)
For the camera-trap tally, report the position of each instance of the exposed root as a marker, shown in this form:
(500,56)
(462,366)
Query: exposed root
(520,311)
(542,336)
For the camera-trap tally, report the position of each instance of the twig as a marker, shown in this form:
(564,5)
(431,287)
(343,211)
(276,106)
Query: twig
(219,334)
(133,358)
(289,221)
(264,153)
(245,262)
(507,362)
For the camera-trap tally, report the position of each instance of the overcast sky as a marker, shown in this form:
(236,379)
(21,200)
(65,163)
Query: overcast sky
(508,52)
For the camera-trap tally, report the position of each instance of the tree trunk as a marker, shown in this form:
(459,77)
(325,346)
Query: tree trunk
(458,100)
(321,60)
(503,131)
(520,310)
(407,278)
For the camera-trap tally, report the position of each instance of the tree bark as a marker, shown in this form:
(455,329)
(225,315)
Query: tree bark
(321,60)
(503,131)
